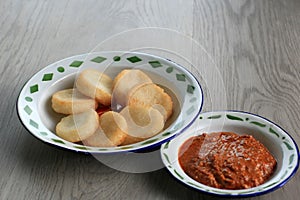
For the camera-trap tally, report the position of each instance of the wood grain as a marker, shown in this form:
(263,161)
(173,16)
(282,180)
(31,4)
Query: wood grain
(255,46)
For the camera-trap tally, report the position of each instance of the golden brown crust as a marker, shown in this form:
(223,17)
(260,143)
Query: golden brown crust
(124,82)
(114,127)
(151,95)
(96,85)
(78,127)
(98,139)
(145,109)
(118,77)
(135,76)
(131,140)
(70,101)
(142,122)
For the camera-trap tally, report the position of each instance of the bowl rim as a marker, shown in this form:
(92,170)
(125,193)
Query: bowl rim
(244,194)
(135,149)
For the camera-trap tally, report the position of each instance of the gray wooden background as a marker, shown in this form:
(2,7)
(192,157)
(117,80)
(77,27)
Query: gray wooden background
(255,45)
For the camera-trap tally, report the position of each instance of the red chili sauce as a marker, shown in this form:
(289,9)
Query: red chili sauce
(102,109)
(226,160)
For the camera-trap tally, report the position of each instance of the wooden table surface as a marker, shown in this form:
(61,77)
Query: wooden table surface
(255,46)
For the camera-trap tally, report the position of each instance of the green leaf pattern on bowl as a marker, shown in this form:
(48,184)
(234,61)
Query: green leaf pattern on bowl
(133,60)
(239,119)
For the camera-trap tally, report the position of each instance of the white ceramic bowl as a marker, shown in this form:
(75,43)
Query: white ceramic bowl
(277,141)
(34,102)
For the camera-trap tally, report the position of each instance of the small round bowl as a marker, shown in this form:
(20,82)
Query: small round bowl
(34,102)
(275,139)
